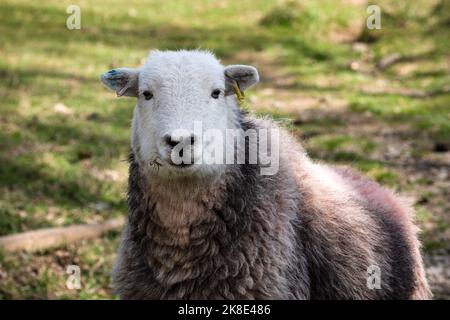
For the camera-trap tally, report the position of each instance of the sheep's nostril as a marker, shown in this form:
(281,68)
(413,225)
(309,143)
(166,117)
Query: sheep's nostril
(169,141)
(192,139)
(189,140)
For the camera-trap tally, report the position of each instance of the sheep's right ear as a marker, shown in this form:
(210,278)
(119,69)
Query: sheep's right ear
(244,76)
(125,81)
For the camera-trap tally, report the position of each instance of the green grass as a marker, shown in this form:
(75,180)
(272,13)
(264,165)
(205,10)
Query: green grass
(56,166)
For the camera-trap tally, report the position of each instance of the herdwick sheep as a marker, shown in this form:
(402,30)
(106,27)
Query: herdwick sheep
(227,231)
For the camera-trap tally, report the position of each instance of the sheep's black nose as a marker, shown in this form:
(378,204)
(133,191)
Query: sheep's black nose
(173,141)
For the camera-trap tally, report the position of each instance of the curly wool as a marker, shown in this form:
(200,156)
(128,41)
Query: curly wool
(309,232)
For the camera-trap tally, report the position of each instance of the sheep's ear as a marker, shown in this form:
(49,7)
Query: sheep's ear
(245,76)
(124,81)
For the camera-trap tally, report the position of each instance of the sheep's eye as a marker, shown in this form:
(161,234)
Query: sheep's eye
(215,94)
(147,95)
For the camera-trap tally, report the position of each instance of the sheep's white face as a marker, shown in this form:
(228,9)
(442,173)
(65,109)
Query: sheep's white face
(185,101)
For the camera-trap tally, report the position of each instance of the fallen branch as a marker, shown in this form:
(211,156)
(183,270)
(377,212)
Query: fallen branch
(394,58)
(56,237)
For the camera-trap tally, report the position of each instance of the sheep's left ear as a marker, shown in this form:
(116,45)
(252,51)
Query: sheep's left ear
(245,76)
(125,81)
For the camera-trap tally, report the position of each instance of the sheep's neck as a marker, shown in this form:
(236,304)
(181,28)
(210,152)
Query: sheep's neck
(182,225)
(178,208)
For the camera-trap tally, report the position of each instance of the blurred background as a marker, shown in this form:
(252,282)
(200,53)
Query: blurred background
(378,100)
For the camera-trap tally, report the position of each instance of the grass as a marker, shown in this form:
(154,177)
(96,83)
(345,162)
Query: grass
(64,138)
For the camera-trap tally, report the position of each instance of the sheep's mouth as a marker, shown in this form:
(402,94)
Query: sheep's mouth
(181,165)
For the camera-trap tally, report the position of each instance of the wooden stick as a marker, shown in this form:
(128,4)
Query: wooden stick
(394,58)
(55,237)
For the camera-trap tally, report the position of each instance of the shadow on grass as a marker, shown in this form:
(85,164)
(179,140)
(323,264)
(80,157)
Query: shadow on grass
(31,25)
(31,182)
(13,77)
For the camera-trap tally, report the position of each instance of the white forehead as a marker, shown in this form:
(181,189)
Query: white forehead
(168,68)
